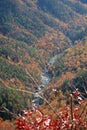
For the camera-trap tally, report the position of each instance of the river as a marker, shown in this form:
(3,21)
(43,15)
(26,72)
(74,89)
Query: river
(45,79)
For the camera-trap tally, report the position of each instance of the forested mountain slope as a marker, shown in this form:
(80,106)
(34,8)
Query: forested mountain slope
(33,31)
(70,73)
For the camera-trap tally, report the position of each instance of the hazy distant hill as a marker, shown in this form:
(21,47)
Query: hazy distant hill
(27,20)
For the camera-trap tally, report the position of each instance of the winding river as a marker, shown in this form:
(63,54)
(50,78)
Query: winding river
(45,79)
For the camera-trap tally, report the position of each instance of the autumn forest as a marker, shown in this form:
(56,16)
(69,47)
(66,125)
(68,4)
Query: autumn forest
(43,64)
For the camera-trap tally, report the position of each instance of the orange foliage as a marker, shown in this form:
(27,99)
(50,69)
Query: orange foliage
(6,125)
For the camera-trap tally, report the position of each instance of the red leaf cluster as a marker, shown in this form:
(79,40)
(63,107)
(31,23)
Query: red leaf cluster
(35,120)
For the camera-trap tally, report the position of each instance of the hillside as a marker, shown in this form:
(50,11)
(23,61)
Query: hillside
(70,73)
(29,21)
(31,33)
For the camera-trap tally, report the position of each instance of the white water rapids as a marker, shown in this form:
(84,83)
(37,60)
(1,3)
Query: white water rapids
(45,79)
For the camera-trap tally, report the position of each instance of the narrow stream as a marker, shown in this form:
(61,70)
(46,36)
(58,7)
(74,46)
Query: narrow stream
(45,79)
